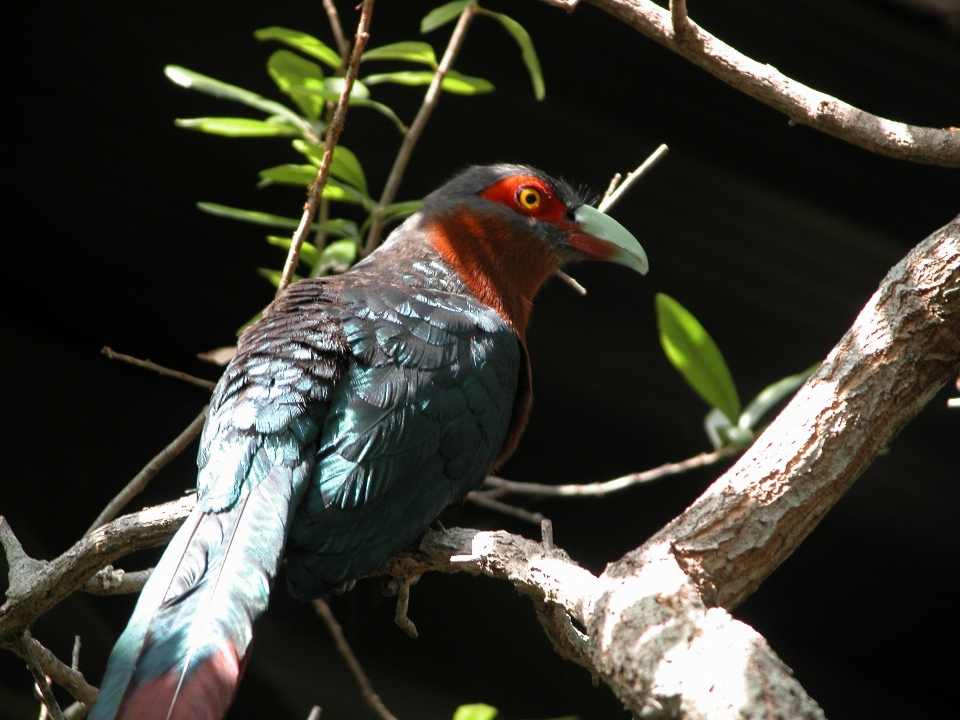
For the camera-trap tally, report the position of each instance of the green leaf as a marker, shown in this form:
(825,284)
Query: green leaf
(337,257)
(290,70)
(393,211)
(303,175)
(340,227)
(440,16)
(345,166)
(477,711)
(237,127)
(195,81)
(273,276)
(289,174)
(311,151)
(308,251)
(771,395)
(526,48)
(411,51)
(383,110)
(453,81)
(696,356)
(331,90)
(307,44)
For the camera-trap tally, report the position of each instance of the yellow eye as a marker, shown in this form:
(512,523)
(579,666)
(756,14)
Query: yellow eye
(529,198)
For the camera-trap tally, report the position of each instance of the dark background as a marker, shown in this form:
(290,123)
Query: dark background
(773,236)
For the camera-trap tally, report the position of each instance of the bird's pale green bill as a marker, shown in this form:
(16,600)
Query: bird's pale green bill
(603,238)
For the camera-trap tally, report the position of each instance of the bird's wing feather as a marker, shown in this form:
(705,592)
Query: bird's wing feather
(416,423)
(185,647)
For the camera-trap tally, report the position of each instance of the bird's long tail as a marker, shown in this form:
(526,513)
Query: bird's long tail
(186,645)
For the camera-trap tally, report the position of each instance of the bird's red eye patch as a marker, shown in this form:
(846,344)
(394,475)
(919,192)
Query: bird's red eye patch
(526,195)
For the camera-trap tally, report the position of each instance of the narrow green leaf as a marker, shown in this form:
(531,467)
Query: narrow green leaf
(273,276)
(340,227)
(237,127)
(311,151)
(411,51)
(477,711)
(290,70)
(453,81)
(526,48)
(440,16)
(308,251)
(383,110)
(306,44)
(331,89)
(771,395)
(337,257)
(303,175)
(290,174)
(195,81)
(345,166)
(696,356)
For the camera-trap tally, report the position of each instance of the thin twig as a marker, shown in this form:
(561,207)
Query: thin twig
(51,666)
(600,489)
(75,655)
(430,100)
(679,19)
(614,181)
(149,471)
(148,365)
(484,500)
(343,647)
(343,45)
(25,651)
(315,710)
(333,134)
(570,281)
(628,182)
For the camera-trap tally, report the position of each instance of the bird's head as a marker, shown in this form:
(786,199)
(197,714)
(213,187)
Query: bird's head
(507,228)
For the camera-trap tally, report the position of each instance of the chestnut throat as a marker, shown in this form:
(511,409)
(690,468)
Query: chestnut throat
(502,267)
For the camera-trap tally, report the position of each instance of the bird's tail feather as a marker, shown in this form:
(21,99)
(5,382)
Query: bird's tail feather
(185,648)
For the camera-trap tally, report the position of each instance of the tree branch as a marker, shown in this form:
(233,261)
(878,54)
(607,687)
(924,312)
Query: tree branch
(149,365)
(599,489)
(430,100)
(903,347)
(799,102)
(333,135)
(32,651)
(37,587)
(143,478)
(346,652)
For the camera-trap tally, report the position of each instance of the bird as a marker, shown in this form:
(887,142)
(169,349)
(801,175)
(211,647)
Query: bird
(355,410)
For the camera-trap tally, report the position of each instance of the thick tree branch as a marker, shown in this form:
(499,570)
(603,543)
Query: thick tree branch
(903,347)
(44,584)
(766,84)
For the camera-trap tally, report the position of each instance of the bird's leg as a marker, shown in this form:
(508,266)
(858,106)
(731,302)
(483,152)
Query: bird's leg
(403,604)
